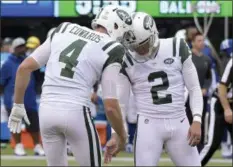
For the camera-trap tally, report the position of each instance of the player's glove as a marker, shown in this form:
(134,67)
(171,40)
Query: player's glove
(18,113)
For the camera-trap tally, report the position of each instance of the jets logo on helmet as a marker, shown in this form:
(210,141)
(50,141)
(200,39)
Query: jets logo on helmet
(148,23)
(124,16)
(115,20)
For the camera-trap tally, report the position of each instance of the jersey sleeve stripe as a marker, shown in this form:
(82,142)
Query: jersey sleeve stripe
(56,31)
(105,47)
(227,73)
(184,51)
(129,59)
(174,47)
(117,51)
(123,71)
(64,29)
(115,55)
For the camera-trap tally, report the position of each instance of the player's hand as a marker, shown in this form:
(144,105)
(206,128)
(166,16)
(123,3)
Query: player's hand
(18,113)
(194,134)
(228,116)
(113,147)
(94,98)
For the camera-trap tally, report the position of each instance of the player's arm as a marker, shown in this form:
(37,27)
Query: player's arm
(191,82)
(36,60)
(115,52)
(222,88)
(109,84)
(123,94)
(195,95)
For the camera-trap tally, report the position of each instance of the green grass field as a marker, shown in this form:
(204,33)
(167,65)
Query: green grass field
(123,159)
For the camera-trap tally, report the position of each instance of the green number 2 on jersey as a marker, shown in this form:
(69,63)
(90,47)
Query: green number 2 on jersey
(69,56)
(164,86)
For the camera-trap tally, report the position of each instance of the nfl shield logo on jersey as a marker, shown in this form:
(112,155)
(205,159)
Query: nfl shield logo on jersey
(168,61)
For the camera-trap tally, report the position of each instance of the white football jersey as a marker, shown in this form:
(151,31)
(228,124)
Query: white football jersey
(131,109)
(78,57)
(157,83)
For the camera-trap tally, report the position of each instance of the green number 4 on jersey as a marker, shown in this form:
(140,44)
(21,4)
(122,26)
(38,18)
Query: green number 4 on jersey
(69,56)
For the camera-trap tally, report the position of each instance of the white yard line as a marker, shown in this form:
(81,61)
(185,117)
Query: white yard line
(124,159)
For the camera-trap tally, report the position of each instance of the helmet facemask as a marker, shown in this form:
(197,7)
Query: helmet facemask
(144,48)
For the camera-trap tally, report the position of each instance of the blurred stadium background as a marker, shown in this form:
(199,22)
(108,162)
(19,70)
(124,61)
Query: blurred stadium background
(26,18)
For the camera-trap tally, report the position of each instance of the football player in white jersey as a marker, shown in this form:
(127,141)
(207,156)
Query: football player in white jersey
(158,70)
(75,57)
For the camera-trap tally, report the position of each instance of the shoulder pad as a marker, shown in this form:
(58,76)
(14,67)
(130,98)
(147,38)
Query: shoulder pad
(184,50)
(60,29)
(115,52)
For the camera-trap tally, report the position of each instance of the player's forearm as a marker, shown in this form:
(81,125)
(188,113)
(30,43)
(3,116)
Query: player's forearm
(195,94)
(21,83)
(222,94)
(196,103)
(115,118)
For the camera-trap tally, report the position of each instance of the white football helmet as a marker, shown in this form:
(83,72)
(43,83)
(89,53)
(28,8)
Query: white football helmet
(143,37)
(115,19)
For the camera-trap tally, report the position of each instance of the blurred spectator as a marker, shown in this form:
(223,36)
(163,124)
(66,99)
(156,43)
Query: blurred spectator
(215,68)
(202,63)
(5,52)
(190,33)
(203,66)
(225,51)
(5,49)
(207,51)
(32,43)
(6,45)
(7,81)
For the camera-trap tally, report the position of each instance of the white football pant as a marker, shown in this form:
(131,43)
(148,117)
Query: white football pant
(75,125)
(153,133)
